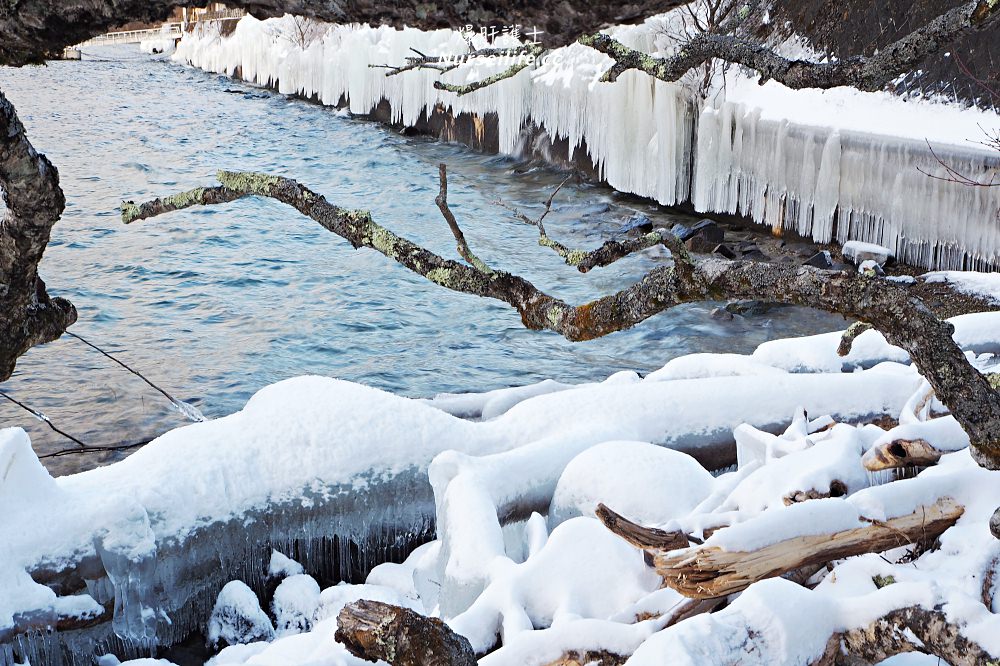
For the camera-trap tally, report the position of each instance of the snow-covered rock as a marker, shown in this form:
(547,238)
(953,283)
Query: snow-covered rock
(645,483)
(237,617)
(294,604)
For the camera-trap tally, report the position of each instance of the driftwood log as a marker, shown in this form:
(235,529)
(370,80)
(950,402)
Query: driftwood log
(377,631)
(705,572)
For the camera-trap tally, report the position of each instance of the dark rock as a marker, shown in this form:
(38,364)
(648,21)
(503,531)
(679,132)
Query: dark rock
(755,255)
(637,222)
(704,237)
(724,251)
(820,260)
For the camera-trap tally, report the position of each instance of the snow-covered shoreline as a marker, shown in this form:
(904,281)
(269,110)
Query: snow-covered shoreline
(512,498)
(833,165)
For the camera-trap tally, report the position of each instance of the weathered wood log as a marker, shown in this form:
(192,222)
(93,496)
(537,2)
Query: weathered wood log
(375,631)
(910,629)
(639,536)
(708,571)
(590,658)
(901,453)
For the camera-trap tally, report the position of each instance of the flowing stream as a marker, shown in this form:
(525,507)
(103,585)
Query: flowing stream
(214,303)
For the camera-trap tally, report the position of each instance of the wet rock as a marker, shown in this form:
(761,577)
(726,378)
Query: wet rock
(755,255)
(724,251)
(637,223)
(749,308)
(704,237)
(820,260)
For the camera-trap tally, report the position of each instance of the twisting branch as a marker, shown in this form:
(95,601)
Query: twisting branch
(608,253)
(909,629)
(869,73)
(890,307)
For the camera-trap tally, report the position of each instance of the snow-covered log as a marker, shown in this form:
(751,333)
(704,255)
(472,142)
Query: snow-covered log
(709,571)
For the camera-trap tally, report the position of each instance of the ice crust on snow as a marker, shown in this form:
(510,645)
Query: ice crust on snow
(831,165)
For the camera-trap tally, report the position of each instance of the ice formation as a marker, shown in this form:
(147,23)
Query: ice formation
(830,165)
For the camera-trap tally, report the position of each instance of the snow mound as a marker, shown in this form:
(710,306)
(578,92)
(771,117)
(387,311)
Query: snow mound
(648,484)
(237,617)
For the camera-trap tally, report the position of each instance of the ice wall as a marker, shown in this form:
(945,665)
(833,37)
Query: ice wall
(833,165)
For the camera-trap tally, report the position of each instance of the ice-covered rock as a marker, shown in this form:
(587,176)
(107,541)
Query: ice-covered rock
(294,604)
(645,483)
(238,618)
(859,252)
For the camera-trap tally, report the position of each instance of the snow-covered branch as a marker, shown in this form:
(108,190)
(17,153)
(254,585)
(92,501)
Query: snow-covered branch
(869,73)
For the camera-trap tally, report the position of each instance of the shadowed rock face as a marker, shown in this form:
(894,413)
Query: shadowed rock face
(32,28)
(856,27)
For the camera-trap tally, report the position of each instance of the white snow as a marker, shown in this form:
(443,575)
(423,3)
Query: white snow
(281,566)
(496,572)
(859,252)
(610,472)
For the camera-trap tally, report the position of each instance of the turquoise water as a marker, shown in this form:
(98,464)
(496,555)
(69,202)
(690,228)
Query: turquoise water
(214,303)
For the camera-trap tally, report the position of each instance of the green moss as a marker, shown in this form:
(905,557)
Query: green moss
(130,211)
(883,581)
(248,181)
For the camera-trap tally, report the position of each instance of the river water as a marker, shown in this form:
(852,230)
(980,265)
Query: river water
(214,303)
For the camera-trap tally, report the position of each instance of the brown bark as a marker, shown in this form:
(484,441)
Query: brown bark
(708,571)
(639,536)
(34,200)
(891,635)
(376,631)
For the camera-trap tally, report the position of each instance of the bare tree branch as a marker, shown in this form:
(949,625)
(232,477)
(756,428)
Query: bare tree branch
(463,247)
(890,307)
(864,73)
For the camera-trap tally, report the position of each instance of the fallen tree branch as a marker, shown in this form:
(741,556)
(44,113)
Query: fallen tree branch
(649,538)
(910,629)
(867,73)
(376,631)
(705,572)
(901,453)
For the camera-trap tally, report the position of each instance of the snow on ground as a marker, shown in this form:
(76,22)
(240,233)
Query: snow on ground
(838,164)
(519,557)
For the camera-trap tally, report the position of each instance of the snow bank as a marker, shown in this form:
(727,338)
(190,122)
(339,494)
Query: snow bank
(837,164)
(356,461)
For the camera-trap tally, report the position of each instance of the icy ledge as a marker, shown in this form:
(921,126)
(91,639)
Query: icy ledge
(832,165)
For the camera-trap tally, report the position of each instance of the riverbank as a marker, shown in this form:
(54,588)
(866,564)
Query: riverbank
(836,165)
(129,558)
